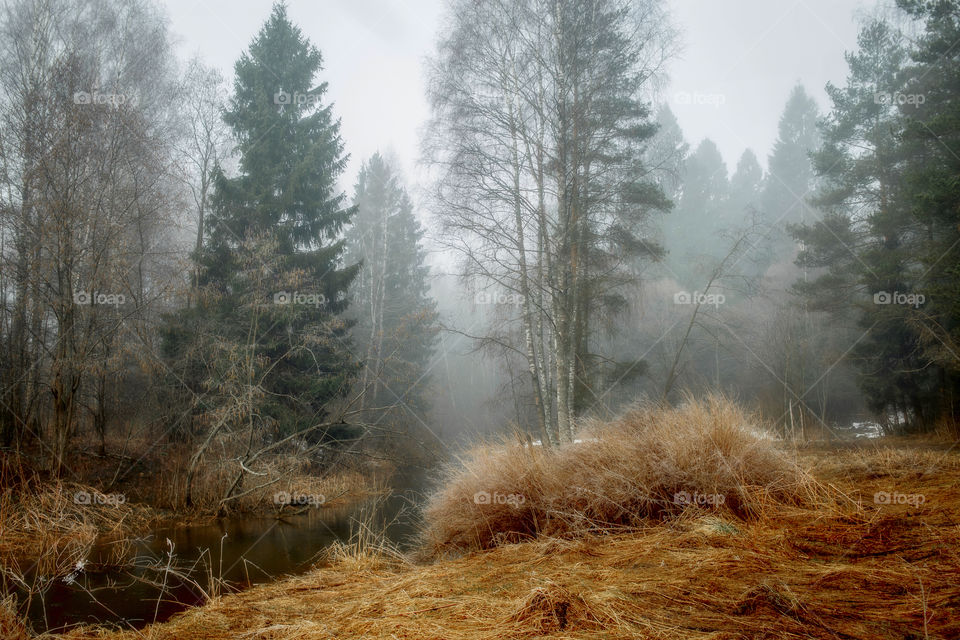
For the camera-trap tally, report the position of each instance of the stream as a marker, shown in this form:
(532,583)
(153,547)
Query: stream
(242,551)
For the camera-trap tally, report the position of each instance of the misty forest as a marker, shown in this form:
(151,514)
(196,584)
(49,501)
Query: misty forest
(473,319)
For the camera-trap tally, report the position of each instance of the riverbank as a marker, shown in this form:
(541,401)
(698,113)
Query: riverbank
(58,535)
(51,526)
(100,490)
(875,561)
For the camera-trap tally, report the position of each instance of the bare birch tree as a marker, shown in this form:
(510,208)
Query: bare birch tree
(539,124)
(85,106)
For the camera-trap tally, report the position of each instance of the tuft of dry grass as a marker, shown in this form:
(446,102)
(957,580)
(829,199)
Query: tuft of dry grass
(552,607)
(368,546)
(652,463)
(46,526)
(11,625)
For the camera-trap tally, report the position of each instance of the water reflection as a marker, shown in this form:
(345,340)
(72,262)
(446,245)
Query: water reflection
(241,552)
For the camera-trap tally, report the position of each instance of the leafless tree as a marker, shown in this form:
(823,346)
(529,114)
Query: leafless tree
(86,113)
(205,143)
(539,124)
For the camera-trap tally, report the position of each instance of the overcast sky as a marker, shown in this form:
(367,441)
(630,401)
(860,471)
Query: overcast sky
(740,60)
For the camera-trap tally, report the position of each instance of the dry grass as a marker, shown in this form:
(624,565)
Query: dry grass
(874,573)
(48,530)
(11,626)
(45,526)
(153,471)
(620,475)
(368,546)
(794,558)
(334,489)
(898,459)
(287,472)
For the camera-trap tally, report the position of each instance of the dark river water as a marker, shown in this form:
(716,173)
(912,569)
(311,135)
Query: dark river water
(242,551)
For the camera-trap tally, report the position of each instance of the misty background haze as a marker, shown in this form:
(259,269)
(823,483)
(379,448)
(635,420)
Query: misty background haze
(736,65)
(751,53)
(544,268)
(351,225)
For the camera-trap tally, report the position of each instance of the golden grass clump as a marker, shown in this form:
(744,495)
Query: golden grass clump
(551,608)
(368,546)
(53,526)
(11,626)
(653,462)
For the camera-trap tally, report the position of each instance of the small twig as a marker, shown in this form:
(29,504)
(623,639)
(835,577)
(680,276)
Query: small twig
(248,470)
(410,613)
(923,600)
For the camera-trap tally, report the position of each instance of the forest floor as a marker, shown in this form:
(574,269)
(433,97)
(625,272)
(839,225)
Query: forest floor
(882,561)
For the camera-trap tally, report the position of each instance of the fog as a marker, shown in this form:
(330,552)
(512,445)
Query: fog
(750,53)
(474,218)
(733,68)
(476,273)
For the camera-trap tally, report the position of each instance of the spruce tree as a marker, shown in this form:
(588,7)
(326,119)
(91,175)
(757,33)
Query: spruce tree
(745,188)
(691,230)
(929,106)
(267,333)
(790,180)
(863,253)
(666,154)
(395,316)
